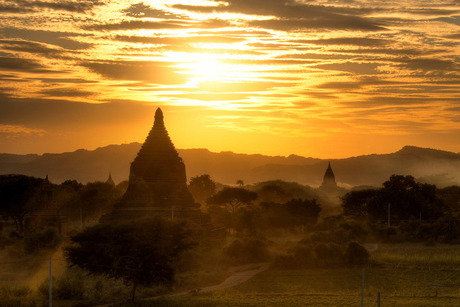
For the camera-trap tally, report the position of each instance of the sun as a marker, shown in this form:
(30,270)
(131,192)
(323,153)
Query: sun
(207,68)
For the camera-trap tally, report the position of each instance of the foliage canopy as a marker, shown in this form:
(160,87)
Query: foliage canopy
(141,252)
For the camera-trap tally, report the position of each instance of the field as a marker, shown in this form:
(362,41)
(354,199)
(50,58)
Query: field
(405,275)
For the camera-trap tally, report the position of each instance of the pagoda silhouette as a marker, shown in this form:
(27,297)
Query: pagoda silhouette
(157,181)
(329,183)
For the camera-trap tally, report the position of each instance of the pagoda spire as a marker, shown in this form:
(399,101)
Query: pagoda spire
(329,178)
(110,180)
(159,122)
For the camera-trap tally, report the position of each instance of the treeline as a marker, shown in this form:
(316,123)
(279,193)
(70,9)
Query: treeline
(406,210)
(40,211)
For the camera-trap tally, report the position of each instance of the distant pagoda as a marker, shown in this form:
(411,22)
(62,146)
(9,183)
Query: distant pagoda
(157,181)
(329,179)
(110,180)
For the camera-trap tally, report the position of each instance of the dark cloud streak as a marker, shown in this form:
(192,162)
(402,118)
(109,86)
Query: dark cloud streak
(26,6)
(60,39)
(141,10)
(292,15)
(153,72)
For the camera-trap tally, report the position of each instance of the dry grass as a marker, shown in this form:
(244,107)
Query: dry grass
(405,275)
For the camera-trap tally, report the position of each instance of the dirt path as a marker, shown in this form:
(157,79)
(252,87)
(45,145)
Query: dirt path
(239,275)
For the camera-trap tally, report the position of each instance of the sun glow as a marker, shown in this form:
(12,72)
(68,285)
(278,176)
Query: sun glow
(207,69)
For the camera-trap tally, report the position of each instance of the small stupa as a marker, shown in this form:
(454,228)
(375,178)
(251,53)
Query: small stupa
(110,180)
(157,180)
(329,183)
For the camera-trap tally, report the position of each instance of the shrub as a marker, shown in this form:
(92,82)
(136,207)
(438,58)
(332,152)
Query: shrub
(246,251)
(70,286)
(46,239)
(329,254)
(5,241)
(21,296)
(356,254)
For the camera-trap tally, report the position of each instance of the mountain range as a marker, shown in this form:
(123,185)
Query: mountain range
(428,165)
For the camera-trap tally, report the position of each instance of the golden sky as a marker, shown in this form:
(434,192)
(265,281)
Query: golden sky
(325,78)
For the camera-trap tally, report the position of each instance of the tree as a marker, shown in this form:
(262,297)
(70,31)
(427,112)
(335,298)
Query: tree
(141,252)
(402,195)
(19,196)
(202,187)
(293,213)
(355,203)
(87,202)
(408,199)
(451,197)
(232,198)
(273,192)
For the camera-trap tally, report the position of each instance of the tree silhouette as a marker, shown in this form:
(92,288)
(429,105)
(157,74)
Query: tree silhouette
(232,198)
(141,252)
(295,212)
(19,196)
(202,187)
(406,199)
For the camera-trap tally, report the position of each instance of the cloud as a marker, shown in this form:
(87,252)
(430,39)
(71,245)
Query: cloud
(148,71)
(17,64)
(157,25)
(454,36)
(452,19)
(140,10)
(25,6)
(60,39)
(66,92)
(50,114)
(340,85)
(431,11)
(389,51)
(429,64)
(291,15)
(29,47)
(174,40)
(350,41)
(134,25)
(13,131)
(337,23)
(356,68)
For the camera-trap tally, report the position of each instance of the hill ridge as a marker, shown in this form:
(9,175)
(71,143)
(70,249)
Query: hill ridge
(440,167)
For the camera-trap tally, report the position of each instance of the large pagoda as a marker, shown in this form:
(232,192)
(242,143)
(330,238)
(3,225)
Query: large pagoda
(157,181)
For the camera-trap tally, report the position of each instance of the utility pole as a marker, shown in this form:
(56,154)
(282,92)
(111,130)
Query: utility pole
(362,289)
(389,209)
(51,284)
(81,218)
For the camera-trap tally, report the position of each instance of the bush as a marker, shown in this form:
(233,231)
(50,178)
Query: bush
(70,286)
(246,251)
(46,239)
(356,254)
(329,254)
(5,241)
(21,296)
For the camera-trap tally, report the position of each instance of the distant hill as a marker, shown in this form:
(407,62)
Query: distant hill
(429,165)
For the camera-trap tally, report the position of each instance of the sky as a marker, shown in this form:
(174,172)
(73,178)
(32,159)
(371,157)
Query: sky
(324,78)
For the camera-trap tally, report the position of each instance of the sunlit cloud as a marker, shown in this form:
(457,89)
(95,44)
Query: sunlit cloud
(10,131)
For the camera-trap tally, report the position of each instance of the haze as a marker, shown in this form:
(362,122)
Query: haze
(317,78)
